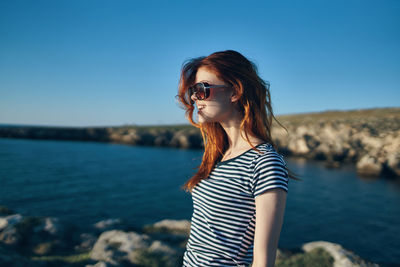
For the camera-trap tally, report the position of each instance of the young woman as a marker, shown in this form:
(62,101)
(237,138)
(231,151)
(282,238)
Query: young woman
(239,191)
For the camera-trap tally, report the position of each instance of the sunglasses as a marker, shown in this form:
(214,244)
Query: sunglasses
(202,90)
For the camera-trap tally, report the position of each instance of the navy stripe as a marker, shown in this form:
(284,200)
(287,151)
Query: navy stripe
(223,221)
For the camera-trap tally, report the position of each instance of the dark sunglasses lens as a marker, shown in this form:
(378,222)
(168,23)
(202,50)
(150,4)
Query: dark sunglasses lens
(200,91)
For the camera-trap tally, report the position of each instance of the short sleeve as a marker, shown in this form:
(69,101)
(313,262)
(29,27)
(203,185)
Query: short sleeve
(269,172)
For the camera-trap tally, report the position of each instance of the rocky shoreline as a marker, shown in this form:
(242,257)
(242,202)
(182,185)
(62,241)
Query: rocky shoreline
(45,241)
(369,138)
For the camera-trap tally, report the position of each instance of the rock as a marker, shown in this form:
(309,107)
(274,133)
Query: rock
(39,235)
(332,164)
(87,242)
(8,233)
(107,224)
(10,236)
(161,141)
(280,137)
(328,132)
(45,248)
(195,139)
(117,246)
(302,130)
(50,225)
(173,226)
(131,137)
(9,221)
(180,139)
(99,264)
(166,253)
(45,235)
(338,150)
(343,257)
(393,162)
(311,141)
(392,143)
(372,142)
(175,233)
(299,146)
(344,132)
(352,154)
(146,138)
(322,152)
(159,247)
(369,166)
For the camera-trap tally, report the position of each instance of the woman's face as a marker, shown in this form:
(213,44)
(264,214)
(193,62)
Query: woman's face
(218,106)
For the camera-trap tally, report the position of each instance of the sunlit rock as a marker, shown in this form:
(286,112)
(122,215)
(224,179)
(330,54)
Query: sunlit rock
(342,257)
(369,166)
(116,246)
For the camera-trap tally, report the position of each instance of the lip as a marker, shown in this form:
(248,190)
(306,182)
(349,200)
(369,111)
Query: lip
(200,107)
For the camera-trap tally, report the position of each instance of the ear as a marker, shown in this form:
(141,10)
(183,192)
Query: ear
(234,97)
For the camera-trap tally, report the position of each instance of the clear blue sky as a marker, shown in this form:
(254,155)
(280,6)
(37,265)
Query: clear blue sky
(103,63)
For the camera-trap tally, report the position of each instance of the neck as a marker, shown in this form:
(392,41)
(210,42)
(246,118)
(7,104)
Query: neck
(232,129)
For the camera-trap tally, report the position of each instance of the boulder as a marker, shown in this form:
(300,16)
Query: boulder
(180,139)
(117,246)
(108,224)
(311,141)
(173,226)
(328,132)
(322,152)
(8,233)
(50,225)
(146,138)
(369,166)
(9,221)
(299,146)
(393,163)
(342,257)
(280,137)
(40,235)
(161,140)
(167,255)
(339,150)
(87,241)
(99,264)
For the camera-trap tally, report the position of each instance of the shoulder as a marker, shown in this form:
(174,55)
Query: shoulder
(269,171)
(267,155)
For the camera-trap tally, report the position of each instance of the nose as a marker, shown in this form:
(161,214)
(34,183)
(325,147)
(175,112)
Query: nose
(193,97)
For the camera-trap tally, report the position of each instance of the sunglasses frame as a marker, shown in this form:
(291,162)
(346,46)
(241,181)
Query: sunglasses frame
(205,87)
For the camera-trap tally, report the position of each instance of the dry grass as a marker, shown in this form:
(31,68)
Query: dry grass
(342,116)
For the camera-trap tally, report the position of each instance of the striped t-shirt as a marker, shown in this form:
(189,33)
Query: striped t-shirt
(223,220)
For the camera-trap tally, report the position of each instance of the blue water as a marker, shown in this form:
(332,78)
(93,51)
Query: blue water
(85,182)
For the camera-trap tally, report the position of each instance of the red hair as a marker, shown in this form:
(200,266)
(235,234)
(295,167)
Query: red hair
(254,104)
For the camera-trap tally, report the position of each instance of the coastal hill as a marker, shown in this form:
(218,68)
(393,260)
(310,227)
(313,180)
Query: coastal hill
(369,138)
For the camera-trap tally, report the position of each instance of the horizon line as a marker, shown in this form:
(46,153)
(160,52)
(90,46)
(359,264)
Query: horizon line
(184,124)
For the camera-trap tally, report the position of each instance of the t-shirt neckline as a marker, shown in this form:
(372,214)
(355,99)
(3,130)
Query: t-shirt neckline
(231,159)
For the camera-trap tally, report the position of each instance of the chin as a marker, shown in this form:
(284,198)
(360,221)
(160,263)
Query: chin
(201,118)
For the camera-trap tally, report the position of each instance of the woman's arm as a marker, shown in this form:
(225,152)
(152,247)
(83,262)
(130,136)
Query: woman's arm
(270,209)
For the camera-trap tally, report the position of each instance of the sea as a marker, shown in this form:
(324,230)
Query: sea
(86,182)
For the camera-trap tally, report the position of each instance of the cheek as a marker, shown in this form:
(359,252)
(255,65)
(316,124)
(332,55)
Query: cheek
(216,110)
(219,95)
(216,94)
